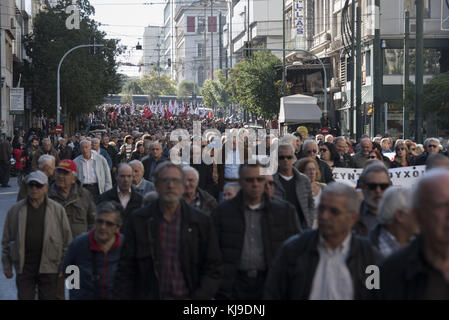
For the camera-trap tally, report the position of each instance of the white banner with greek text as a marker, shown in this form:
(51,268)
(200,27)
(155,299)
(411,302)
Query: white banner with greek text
(403,177)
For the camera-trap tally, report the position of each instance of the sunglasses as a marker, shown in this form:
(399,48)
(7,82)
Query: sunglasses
(251,180)
(35,185)
(107,223)
(413,149)
(373,186)
(432,146)
(372,157)
(400,149)
(323,150)
(285,157)
(311,151)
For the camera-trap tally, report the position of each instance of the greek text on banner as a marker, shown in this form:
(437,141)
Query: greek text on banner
(404,177)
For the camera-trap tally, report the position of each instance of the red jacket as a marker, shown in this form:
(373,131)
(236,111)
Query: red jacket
(20,161)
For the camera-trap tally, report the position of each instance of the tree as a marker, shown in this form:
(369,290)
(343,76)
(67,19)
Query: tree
(216,92)
(187,89)
(85,79)
(252,84)
(155,85)
(436,98)
(132,86)
(127,98)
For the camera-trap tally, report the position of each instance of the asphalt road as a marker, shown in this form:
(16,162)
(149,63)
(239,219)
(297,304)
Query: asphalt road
(7,200)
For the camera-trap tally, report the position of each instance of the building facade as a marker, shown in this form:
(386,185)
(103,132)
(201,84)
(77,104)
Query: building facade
(328,34)
(199,46)
(153,51)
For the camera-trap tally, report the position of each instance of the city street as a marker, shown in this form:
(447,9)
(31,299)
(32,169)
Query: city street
(7,200)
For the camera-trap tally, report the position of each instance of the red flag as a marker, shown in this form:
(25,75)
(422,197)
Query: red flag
(147,113)
(185,111)
(210,115)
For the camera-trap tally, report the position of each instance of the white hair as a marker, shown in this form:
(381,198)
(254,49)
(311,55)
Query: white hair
(429,140)
(85,141)
(188,168)
(343,190)
(288,138)
(138,162)
(393,199)
(44,160)
(420,189)
(307,142)
(287,146)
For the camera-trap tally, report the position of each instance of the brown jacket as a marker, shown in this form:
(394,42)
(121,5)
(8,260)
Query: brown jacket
(5,152)
(40,152)
(57,237)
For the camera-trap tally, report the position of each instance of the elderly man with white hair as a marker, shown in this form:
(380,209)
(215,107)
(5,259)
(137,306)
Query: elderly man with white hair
(397,226)
(420,271)
(46,164)
(431,146)
(194,195)
(141,185)
(93,170)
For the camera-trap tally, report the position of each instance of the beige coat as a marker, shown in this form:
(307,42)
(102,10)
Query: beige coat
(57,237)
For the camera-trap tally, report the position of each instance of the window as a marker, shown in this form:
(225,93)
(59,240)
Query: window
(410,6)
(200,50)
(190,24)
(201,24)
(368,63)
(394,61)
(212,24)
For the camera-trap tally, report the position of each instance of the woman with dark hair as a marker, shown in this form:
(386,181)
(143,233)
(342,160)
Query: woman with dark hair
(403,158)
(328,153)
(377,147)
(138,152)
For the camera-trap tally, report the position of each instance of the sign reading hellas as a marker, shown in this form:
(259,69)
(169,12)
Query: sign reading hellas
(299,16)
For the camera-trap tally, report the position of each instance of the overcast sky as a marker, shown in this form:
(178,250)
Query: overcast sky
(126,20)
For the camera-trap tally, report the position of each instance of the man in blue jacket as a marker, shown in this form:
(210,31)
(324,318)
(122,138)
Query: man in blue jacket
(97,254)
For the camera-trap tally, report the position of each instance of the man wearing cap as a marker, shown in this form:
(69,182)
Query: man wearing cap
(76,200)
(36,236)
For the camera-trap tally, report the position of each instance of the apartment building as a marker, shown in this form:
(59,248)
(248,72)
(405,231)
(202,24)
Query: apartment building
(327,34)
(199,51)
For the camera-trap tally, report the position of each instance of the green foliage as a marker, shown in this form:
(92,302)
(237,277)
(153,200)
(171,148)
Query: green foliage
(155,85)
(132,86)
(186,89)
(252,83)
(436,98)
(85,79)
(216,92)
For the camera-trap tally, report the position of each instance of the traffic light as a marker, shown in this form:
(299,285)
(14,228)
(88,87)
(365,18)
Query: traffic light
(370,109)
(169,62)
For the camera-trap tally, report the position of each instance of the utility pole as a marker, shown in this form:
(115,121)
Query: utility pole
(358,77)
(419,71)
(220,41)
(377,75)
(283,48)
(230,45)
(406,117)
(211,40)
(351,110)
(204,42)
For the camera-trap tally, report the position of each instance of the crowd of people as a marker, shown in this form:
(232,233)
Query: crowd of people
(139,226)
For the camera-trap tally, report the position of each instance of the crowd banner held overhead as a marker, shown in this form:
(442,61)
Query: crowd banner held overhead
(402,177)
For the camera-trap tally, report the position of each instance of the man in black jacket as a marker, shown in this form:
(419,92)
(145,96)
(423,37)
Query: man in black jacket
(420,270)
(430,147)
(123,193)
(171,249)
(325,264)
(250,229)
(150,162)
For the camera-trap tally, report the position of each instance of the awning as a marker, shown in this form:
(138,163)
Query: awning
(299,108)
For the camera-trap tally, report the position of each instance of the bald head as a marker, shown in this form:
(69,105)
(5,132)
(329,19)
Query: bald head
(124,177)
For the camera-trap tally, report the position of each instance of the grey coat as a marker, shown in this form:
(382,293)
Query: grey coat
(101,170)
(303,193)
